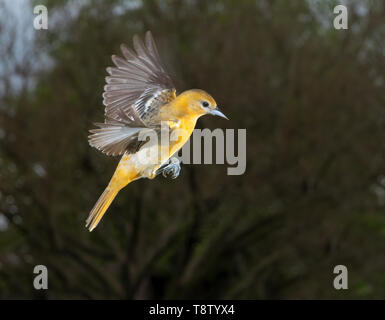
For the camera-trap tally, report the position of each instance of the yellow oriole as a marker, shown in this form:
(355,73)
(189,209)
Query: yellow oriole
(139,96)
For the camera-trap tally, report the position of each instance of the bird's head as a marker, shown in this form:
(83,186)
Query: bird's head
(199,102)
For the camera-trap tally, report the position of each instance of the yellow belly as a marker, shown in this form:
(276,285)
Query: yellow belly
(153,154)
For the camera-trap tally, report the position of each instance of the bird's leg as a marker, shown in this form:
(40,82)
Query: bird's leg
(170,169)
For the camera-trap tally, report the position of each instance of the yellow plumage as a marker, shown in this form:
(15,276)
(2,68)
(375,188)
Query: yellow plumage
(127,117)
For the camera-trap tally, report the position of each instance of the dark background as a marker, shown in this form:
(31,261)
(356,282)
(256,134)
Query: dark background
(312,100)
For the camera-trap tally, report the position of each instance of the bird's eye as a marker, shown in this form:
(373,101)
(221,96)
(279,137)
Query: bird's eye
(205,104)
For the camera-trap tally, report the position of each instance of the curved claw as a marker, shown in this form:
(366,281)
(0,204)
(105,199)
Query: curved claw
(171,170)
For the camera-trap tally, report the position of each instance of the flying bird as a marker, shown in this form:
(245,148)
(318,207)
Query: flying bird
(141,104)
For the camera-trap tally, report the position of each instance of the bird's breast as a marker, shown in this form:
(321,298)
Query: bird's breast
(158,150)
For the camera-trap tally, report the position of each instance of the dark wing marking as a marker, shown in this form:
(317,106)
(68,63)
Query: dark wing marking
(139,85)
(114,137)
(135,91)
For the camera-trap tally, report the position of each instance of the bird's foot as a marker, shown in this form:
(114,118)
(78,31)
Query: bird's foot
(171,169)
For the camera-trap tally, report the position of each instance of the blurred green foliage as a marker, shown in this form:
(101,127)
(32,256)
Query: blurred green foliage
(313,102)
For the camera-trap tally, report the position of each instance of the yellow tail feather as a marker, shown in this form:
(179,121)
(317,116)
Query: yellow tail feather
(101,207)
(124,174)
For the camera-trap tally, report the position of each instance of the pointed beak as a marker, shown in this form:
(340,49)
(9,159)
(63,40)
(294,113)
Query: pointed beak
(218,112)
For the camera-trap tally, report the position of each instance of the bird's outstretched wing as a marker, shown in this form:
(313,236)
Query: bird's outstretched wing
(135,91)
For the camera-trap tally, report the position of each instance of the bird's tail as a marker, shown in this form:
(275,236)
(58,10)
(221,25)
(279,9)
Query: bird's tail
(101,206)
(123,175)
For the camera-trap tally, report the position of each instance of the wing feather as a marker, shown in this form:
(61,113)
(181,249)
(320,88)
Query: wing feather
(137,79)
(136,88)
